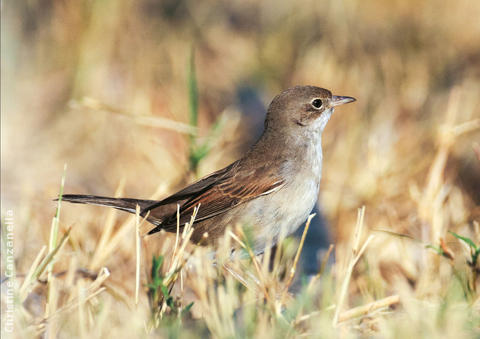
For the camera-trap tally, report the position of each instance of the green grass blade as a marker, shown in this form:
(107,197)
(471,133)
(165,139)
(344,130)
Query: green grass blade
(193,91)
(468,241)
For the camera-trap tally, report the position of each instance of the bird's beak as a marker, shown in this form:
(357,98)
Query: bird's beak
(338,100)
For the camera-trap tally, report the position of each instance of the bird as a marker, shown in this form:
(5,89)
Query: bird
(272,189)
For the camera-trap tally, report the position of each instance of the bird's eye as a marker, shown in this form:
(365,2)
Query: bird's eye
(317,103)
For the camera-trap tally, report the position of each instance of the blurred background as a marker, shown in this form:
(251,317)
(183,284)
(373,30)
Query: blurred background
(103,86)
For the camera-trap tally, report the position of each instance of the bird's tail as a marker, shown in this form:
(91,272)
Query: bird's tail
(123,204)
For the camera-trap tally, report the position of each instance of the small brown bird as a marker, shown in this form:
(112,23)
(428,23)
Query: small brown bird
(273,187)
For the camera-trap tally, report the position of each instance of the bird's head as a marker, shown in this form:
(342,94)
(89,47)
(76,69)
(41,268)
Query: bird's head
(306,107)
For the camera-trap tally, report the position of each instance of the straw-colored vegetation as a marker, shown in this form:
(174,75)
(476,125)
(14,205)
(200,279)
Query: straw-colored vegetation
(139,98)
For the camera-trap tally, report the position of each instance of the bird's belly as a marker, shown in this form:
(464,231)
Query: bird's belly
(279,214)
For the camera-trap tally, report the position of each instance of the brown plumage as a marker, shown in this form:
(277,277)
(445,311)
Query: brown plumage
(274,186)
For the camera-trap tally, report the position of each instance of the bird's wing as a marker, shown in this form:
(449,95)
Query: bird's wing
(216,194)
(198,187)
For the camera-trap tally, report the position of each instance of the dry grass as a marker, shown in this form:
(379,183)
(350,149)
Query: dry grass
(106,87)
